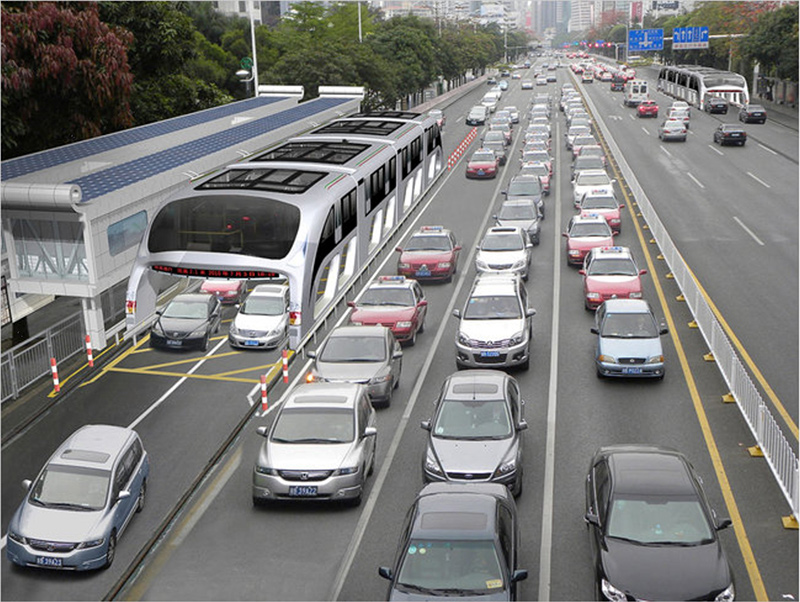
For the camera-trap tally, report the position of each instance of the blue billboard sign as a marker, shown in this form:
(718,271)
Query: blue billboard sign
(688,38)
(641,40)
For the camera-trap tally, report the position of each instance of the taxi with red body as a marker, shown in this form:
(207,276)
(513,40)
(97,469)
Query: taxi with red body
(603,204)
(430,254)
(585,233)
(610,273)
(648,108)
(396,302)
(483,164)
(227,291)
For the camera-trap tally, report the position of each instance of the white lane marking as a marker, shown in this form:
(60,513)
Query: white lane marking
(666,152)
(748,230)
(545,549)
(645,130)
(632,116)
(695,180)
(459,118)
(769,150)
(372,500)
(716,150)
(759,180)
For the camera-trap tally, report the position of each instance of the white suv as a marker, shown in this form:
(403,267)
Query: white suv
(496,324)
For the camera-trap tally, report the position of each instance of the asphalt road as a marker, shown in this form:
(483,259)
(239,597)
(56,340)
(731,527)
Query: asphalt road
(221,547)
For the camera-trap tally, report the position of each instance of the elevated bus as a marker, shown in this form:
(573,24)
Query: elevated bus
(695,83)
(312,210)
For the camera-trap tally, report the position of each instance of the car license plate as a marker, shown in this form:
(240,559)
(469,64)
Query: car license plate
(490,354)
(303,490)
(481,172)
(251,343)
(631,370)
(48,561)
(735,135)
(172,343)
(423,272)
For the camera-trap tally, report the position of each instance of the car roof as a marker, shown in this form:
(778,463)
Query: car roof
(93,445)
(400,282)
(447,510)
(627,306)
(192,297)
(476,385)
(323,395)
(640,470)
(269,289)
(432,231)
(371,330)
(595,172)
(590,217)
(610,252)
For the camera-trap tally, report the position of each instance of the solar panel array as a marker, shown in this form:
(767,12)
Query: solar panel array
(337,153)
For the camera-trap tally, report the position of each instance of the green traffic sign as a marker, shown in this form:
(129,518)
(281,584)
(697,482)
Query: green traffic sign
(247,62)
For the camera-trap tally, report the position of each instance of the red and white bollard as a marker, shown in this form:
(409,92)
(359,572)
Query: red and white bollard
(264,393)
(285,357)
(54,370)
(89,351)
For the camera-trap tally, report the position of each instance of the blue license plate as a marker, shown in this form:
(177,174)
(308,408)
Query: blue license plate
(251,343)
(490,354)
(631,370)
(423,273)
(172,343)
(48,561)
(481,172)
(303,490)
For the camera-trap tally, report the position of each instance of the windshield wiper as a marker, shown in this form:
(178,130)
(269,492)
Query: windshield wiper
(69,506)
(315,440)
(416,588)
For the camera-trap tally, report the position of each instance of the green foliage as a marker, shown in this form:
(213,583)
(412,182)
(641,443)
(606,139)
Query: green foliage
(773,42)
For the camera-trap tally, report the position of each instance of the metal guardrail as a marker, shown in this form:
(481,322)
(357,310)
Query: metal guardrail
(778,452)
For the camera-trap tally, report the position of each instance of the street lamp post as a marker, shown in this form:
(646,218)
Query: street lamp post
(253,44)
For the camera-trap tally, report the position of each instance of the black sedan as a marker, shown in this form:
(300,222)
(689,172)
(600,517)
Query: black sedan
(730,133)
(459,542)
(652,532)
(753,114)
(186,322)
(716,104)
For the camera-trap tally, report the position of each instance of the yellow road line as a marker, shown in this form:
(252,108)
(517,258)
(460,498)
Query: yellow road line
(116,361)
(182,375)
(753,572)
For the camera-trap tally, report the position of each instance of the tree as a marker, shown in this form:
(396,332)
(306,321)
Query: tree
(65,76)
(773,42)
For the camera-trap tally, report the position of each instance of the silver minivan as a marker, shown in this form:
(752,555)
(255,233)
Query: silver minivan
(83,499)
(321,446)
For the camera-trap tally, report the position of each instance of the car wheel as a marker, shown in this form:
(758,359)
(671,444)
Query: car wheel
(204,344)
(142,494)
(526,364)
(517,490)
(371,468)
(741,143)
(356,501)
(535,241)
(111,550)
(599,374)
(413,340)
(259,502)
(421,328)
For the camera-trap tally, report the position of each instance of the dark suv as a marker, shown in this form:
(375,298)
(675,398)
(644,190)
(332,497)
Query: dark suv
(476,430)
(458,540)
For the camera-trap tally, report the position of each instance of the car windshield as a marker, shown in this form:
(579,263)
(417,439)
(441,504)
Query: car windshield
(599,202)
(263,306)
(535,156)
(580,140)
(514,212)
(191,310)
(629,326)
(578,130)
(591,151)
(590,179)
(71,488)
(378,295)
(428,243)
(483,157)
(612,266)
(580,230)
(314,425)
(450,566)
(510,241)
(472,420)
(540,169)
(588,162)
(495,145)
(659,521)
(354,349)
(492,136)
(530,187)
(501,307)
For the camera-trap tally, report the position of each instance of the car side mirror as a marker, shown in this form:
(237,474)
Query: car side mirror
(530,312)
(522,425)
(504,192)
(398,353)
(457,248)
(723,523)
(591,519)
(123,495)
(159,312)
(663,330)
(614,233)
(622,206)
(423,303)
(565,234)
(519,575)
(399,249)
(26,484)
(351,304)
(370,431)
(425,424)
(494,217)
(457,313)
(385,572)
(262,430)
(594,330)
(642,272)
(582,272)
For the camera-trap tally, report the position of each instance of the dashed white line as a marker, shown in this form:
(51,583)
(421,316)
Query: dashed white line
(666,152)
(644,129)
(695,180)
(716,150)
(769,150)
(759,180)
(748,230)
(631,115)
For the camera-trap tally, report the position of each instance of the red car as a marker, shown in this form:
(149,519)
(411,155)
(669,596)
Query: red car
(227,291)
(483,164)
(610,273)
(393,301)
(585,233)
(430,254)
(648,108)
(605,205)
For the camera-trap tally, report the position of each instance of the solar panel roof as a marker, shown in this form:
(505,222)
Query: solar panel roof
(336,153)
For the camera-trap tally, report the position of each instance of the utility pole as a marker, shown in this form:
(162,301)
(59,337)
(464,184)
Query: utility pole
(253,44)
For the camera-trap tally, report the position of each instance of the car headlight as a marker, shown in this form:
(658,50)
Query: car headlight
(158,329)
(606,359)
(635,295)
(611,592)
(432,466)
(444,265)
(518,264)
(17,537)
(356,322)
(376,380)
(463,339)
(346,470)
(656,359)
(267,471)
(233,330)
(198,332)
(92,543)
(403,266)
(726,595)
(403,324)
(592,295)
(518,338)
(506,467)
(481,265)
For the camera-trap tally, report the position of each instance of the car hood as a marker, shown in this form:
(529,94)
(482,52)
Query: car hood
(396,594)
(53,524)
(481,164)
(500,257)
(375,314)
(428,257)
(181,325)
(460,455)
(525,224)
(348,371)
(590,242)
(255,322)
(318,456)
(491,330)
(631,347)
(607,284)
(693,572)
